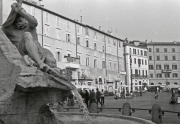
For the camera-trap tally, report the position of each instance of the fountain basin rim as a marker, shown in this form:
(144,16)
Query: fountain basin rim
(141,120)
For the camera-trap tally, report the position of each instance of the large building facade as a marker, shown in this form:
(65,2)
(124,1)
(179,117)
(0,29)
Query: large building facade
(164,60)
(136,62)
(94,57)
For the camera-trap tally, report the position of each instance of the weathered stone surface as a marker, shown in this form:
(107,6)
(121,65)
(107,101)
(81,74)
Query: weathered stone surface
(25,90)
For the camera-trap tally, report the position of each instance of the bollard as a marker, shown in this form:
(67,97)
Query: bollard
(93,108)
(126,110)
(156,113)
(60,107)
(178,114)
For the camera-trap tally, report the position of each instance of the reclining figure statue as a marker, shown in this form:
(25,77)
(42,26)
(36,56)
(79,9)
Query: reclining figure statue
(20,28)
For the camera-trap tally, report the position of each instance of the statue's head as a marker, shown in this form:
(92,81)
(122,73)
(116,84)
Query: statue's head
(20,22)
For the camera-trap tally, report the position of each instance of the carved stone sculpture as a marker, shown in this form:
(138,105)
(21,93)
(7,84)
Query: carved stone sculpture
(26,89)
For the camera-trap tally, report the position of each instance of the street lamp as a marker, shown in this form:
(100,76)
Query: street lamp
(131,71)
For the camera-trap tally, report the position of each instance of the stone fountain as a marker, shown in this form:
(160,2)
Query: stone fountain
(27,93)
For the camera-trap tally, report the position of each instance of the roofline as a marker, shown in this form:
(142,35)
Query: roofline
(49,11)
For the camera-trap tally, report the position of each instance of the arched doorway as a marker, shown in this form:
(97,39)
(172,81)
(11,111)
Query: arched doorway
(110,89)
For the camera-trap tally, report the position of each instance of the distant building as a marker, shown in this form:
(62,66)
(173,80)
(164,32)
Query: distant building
(94,57)
(164,63)
(136,64)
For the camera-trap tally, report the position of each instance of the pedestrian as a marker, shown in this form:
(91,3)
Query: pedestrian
(98,96)
(92,97)
(86,98)
(102,97)
(155,95)
(81,93)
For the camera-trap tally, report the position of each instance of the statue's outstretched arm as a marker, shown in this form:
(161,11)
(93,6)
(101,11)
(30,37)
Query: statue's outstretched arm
(17,8)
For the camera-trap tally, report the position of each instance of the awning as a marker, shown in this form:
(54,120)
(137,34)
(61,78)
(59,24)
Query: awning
(85,87)
(85,79)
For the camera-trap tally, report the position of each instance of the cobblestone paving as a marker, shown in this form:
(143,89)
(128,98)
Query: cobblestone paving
(145,102)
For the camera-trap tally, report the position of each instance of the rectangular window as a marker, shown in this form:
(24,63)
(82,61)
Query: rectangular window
(145,62)
(175,75)
(134,60)
(79,59)
(174,66)
(150,67)
(136,73)
(165,57)
(166,66)
(58,56)
(95,63)
(87,32)
(134,51)
(68,37)
(145,53)
(110,65)
(77,29)
(167,75)
(103,64)
(150,50)
(95,36)
(87,43)
(143,73)
(78,40)
(115,66)
(114,42)
(119,43)
(158,67)
(165,49)
(150,57)
(157,49)
(87,61)
(141,52)
(142,62)
(159,75)
(157,57)
(104,39)
(103,48)
(151,75)
(173,57)
(95,46)
(173,49)
(139,61)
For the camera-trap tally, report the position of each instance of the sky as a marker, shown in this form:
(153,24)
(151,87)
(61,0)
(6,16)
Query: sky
(151,20)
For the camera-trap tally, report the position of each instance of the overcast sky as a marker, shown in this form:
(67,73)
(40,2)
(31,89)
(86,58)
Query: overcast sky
(156,20)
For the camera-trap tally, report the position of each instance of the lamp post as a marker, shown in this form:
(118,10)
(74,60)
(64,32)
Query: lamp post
(131,72)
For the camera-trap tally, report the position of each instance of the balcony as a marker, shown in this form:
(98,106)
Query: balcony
(72,62)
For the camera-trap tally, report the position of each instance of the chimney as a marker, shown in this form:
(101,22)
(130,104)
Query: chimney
(81,19)
(99,27)
(41,3)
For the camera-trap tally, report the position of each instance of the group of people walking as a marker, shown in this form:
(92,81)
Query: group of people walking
(93,97)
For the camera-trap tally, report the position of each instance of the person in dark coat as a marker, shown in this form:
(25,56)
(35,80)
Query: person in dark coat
(92,97)
(86,98)
(98,96)
(81,93)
